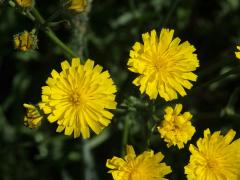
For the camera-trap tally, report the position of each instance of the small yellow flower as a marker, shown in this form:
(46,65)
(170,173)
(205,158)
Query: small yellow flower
(146,166)
(79,97)
(33,117)
(78,5)
(25,41)
(164,65)
(215,157)
(238,53)
(25,3)
(176,128)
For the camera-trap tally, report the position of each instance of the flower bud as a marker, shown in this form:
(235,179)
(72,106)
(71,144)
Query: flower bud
(25,3)
(77,5)
(25,41)
(33,117)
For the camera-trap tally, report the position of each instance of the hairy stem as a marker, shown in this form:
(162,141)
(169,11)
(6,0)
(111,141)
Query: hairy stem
(49,32)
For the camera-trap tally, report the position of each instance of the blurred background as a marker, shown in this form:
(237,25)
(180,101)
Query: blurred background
(106,33)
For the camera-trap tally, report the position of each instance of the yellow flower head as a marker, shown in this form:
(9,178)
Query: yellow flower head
(78,5)
(25,41)
(25,3)
(176,128)
(79,97)
(145,166)
(164,65)
(238,53)
(215,157)
(33,117)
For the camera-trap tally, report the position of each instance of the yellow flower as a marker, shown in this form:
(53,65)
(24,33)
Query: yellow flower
(25,3)
(78,98)
(145,166)
(238,53)
(164,65)
(25,41)
(215,157)
(176,128)
(78,5)
(33,117)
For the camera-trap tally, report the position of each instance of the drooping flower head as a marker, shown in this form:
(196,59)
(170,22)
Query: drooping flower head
(25,3)
(146,166)
(164,65)
(25,41)
(33,117)
(79,98)
(77,5)
(215,157)
(238,52)
(176,128)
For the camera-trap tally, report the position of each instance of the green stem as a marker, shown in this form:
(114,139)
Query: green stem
(208,70)
(150,136)
(234,98)
(125,135)
(221,77)
(98,140)
(58,11)
(230,108)
(30,16)
(150,127)
(173,7)
(49,32)
(38,16)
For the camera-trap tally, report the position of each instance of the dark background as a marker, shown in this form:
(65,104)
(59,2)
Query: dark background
(213,27)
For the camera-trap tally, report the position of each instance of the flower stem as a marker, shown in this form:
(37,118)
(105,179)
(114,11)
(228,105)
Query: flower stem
(210,69)
(49,32)
(221,77)
(125,135)
(150,135)
(151,124)
(230,108)
(173,7)
(234,97)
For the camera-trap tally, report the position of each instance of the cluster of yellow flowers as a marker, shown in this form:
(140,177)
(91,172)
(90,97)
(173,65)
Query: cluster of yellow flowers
(215,157)
(82,96)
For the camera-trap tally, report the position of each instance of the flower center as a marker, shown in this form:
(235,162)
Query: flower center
(159,63)
(139,172)
(76,98)
(211,164)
